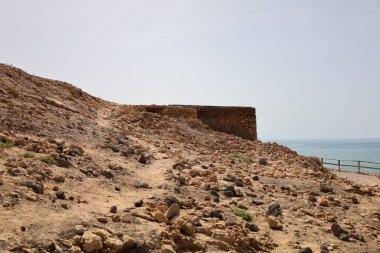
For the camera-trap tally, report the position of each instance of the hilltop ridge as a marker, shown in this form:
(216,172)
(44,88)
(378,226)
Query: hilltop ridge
(80,174)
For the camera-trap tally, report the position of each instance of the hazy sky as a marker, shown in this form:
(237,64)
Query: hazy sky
(311,68)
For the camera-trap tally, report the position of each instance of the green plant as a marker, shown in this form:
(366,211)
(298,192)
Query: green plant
(29,155)
(240,157)
(46,159)
(242,213)
(13,91)
(4,143)
(7,144)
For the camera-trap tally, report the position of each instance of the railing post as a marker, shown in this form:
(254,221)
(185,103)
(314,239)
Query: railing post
(322,161)
(359,166)
(339,165)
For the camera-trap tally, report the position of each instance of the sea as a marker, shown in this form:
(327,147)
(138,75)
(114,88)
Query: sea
(367,150)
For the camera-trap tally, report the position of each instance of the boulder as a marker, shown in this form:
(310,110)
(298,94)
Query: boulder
(91,242)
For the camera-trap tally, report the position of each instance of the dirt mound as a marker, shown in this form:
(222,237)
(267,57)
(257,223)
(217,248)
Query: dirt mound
(79,174)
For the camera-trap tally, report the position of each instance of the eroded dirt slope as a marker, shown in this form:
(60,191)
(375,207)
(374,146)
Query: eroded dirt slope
(79,174)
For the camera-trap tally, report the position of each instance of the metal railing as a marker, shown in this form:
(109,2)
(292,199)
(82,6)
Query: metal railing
(351,164)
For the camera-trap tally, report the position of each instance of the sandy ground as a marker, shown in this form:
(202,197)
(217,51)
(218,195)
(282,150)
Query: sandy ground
(362,179)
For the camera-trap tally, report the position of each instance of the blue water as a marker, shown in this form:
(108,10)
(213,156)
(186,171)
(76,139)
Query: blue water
(356,149)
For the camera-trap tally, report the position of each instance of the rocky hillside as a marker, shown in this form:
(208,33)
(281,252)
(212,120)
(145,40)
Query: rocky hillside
(79,174)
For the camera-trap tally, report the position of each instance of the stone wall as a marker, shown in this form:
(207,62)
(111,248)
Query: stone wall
(239,121)
(173,111)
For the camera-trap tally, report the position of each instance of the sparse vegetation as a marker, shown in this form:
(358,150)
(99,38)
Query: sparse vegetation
(146,131)
(315,160)
(29,155)
(47,159)
(125,132)
(14,92)
(240,157)
(242,213)
(4,143)
(144,149)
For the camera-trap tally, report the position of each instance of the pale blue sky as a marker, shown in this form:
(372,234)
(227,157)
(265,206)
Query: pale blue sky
(311,68)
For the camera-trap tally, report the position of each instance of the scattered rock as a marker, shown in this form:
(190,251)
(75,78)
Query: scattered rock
(339,232)
(60,195)
(62,162)
(31,197)
(115,149)
(143,159)
(326,188)
(36,187)
(216,214)
(139,203)
(160,217)
(305,250)
(251,226)
(167,249)
(107,174)
(116,218)
(170,200)
(173,211)
(113,209)
(344,237)
(59,179)
(65,206)
(274,223)
(102,219)
(323,201)
(274,210)
(324,248)
(143,185)
(231,223)
(263,161)
(78,148)
(79,229)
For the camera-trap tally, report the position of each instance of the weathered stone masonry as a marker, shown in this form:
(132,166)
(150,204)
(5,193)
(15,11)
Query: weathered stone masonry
(239,121)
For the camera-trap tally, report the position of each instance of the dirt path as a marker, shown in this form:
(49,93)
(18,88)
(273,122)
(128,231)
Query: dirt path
(362,179)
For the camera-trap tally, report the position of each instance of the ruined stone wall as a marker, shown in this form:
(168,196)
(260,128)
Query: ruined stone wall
(173,111)
(239,121)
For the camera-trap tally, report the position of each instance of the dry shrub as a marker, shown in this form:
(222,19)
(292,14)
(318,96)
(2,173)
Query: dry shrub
(315,160)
